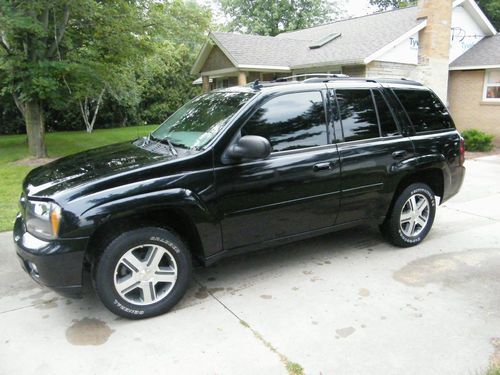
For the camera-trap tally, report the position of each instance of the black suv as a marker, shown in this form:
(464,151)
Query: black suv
(235,170)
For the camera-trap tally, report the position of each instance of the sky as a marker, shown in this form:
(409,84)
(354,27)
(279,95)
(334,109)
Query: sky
(356,8)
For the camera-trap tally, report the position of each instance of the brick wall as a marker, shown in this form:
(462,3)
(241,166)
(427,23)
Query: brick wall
(434,45)
(390,70)
(354,70)
(467,107)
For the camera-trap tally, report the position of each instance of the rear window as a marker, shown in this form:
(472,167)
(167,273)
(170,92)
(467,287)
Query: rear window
(425,110)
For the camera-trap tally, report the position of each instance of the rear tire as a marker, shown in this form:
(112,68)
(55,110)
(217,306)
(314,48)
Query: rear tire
(142,273)
(411,216)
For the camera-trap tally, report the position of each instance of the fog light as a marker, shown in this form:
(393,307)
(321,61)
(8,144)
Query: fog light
(33,269)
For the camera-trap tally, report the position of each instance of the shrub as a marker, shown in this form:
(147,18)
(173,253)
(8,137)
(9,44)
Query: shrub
(476,140)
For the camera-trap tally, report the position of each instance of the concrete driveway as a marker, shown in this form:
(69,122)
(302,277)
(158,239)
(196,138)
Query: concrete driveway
(346,303)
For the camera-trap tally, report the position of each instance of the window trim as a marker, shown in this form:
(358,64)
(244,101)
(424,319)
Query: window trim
(391,110)
(486,85)
(271,97)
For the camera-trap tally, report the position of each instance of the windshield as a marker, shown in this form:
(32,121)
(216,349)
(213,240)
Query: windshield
(199,120)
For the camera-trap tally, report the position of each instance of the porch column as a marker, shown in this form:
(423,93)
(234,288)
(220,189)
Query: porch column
(205,83)
(242,79)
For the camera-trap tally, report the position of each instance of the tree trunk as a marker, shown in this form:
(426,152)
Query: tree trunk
(35,128)
(85,111)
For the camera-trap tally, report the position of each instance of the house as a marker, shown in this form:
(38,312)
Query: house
(474,90)
(438,43)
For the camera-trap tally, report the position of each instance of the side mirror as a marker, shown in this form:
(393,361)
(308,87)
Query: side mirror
(250,147)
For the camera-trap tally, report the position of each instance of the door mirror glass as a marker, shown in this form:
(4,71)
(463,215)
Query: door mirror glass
(250,147)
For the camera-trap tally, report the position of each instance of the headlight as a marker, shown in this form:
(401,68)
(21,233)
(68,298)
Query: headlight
(43,219)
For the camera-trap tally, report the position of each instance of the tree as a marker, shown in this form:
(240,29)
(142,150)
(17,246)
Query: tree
(164,76)
(271,17)
(392,4)
(118,61)
(492,10)
(55,49)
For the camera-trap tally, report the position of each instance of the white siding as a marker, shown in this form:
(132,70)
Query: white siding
(465,33)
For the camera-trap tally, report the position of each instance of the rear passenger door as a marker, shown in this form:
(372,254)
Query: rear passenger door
(372,150)
(433,128)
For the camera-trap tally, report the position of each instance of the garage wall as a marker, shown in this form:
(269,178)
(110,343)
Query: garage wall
(466,103)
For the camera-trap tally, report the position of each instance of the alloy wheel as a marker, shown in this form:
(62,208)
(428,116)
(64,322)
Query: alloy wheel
(414,215)
(145,274)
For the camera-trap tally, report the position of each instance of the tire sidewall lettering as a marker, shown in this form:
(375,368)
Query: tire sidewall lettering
(128,310)
(166,242)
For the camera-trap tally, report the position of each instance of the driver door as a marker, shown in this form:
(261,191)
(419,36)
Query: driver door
(296,189)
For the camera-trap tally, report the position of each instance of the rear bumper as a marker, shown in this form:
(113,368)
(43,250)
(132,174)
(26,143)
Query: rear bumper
(56,264)
(456,180)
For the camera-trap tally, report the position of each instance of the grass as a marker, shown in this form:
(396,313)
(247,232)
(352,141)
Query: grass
(493,370)
(292,368)
(14,148)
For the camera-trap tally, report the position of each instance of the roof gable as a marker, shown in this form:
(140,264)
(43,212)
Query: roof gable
(485,54)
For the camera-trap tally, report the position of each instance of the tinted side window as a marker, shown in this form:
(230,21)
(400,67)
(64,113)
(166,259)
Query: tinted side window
(357,113)
(290,121)
(425,110)
(387,123)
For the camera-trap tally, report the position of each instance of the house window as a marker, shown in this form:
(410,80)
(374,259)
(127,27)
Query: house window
(492,85)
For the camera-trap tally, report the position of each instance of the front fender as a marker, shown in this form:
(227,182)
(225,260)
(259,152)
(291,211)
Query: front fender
(142,204)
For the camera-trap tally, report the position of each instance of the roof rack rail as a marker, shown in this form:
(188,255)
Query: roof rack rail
(309,76)
(323,78)
(256,85)
(402,80)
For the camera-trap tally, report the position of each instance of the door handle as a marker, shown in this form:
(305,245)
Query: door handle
(323,166)
(399,154)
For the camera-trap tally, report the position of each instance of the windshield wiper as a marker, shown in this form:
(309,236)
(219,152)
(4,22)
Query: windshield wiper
(172,148)
(166,141)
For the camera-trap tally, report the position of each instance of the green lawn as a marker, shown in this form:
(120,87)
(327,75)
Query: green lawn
(14,147)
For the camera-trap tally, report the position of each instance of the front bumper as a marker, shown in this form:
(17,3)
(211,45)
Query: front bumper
(56,264)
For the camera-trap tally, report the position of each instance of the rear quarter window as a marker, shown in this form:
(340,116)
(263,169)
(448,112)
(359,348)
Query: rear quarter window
(425,110)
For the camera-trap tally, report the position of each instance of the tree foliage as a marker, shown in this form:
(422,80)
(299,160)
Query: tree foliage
(271,17)
(492,10)
(392,4)
(59,58)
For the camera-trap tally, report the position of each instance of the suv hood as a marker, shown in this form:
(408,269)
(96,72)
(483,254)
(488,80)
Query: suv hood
(89,165)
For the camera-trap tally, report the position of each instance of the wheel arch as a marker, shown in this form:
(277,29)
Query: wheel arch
(180,212)
(434,177)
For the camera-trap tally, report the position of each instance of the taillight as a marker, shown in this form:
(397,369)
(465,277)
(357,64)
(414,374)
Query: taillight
(462,151)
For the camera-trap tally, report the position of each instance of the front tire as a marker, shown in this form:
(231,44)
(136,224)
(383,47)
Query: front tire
(143,273)
(411,216)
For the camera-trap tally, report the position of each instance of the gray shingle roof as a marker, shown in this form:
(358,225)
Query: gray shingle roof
(361,37)
(260,50)
(484,53)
